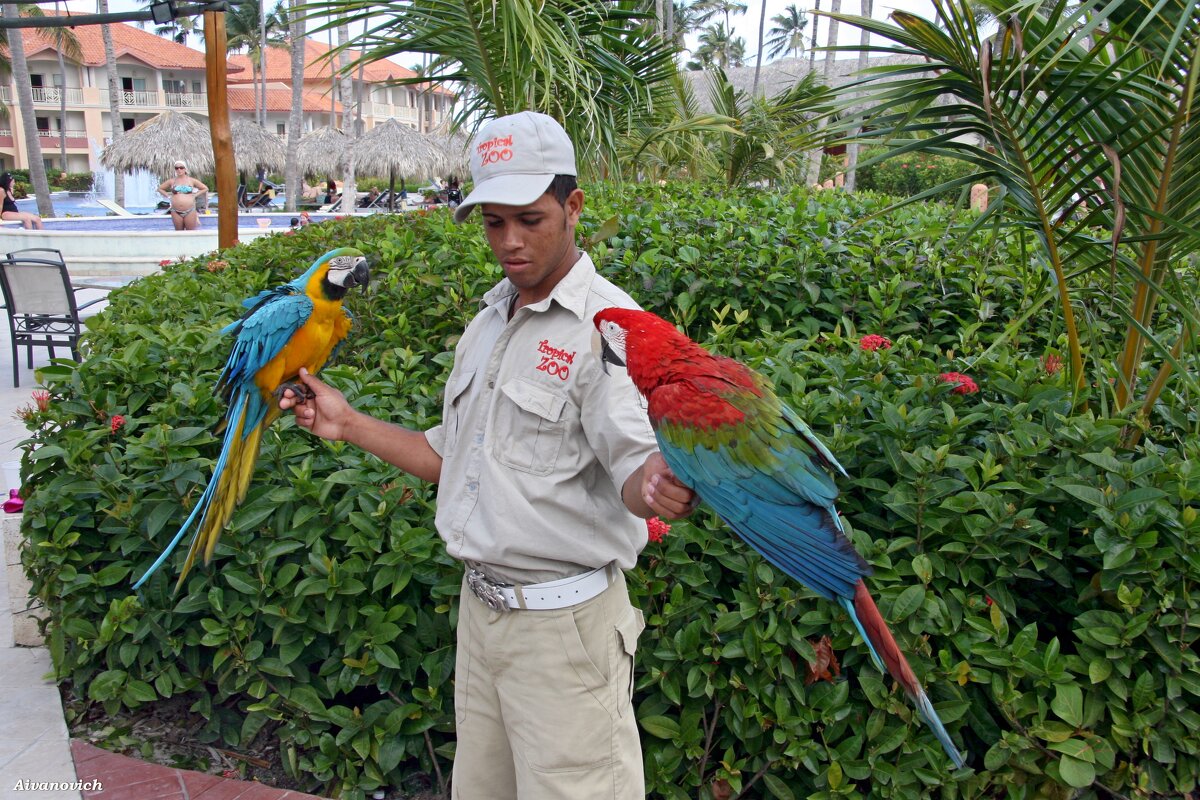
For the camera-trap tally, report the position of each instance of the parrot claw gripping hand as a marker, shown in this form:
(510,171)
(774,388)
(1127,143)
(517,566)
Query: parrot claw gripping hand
(299,324)
(724,433)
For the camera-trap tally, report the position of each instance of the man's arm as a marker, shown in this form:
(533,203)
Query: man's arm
(328,415)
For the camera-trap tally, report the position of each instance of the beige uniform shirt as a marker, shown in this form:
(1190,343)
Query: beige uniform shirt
(537,440)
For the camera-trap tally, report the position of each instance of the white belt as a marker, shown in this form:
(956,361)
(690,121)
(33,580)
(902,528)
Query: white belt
(547,596)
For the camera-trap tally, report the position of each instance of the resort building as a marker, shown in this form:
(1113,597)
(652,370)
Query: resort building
(155,74)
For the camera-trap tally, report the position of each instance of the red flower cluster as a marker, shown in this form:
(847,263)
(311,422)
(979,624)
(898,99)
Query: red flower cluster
(165,262)
(42,398)
(656,529)
(873,341)
(1052,364)
(963,384)
(116,423)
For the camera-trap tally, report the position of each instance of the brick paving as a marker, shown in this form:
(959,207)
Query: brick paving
(118,777)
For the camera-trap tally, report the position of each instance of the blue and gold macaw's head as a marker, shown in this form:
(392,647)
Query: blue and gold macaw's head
(335,273)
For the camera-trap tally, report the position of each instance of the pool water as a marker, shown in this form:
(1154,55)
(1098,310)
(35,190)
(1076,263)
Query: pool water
(160,221)
(78,204)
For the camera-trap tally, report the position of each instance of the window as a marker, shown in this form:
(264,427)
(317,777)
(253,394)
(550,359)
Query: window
(43,123)
(281,128)
(197,87)
(37,81)
(174,87)
(58,81)
(127,124)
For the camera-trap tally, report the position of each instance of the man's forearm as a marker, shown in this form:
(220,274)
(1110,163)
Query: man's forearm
(407,449)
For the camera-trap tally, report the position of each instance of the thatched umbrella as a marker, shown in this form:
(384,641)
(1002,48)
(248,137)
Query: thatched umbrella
(396,148)
(254,147)
(457,160)
(158,142)
(323,151)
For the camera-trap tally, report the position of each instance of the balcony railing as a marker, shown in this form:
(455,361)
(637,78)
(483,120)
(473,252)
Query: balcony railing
(52,95)
(186,100)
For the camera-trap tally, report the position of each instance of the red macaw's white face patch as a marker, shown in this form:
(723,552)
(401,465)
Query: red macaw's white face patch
(555,361)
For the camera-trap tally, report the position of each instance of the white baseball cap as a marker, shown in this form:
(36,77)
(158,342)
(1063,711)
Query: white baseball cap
(514,159)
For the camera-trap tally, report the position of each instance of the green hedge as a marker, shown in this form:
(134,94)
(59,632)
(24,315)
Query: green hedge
(1042,581)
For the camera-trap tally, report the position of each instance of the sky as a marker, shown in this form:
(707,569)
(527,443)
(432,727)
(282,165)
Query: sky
(745,26)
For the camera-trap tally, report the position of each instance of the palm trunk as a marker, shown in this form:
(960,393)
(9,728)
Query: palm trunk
(762,22)
(33,145)
(62,102)
(292,174)
(349,190)
(262,61)
(814,161)
(852,147)
(812,47)
(114,100)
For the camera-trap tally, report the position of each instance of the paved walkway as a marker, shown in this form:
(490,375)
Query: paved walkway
(36,751)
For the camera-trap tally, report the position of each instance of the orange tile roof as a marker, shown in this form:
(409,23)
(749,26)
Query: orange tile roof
(241,98)
(128,40)
(316,66)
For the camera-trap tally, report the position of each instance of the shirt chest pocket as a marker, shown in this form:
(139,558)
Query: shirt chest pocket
(531,426)
(456,393)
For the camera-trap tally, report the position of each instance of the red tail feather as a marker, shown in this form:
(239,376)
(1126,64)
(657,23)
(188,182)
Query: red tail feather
(883,641)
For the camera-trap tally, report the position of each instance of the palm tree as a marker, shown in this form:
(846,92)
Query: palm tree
(246,29)
(292,174)
(67,46)
(114,98)
(1093,146)
(592,64)
(772,135)
(346,89)
(707,9)
(177,30)
(863,55)
(762,25)
(718,48)
(33,144)
(814,163)
(787,35)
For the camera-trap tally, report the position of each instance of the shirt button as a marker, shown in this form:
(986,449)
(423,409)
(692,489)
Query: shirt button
(491,384)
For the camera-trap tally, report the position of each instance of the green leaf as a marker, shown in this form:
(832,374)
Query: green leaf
(777,787)
(1068,703)
(661,727)
(1076,773)
(909,601)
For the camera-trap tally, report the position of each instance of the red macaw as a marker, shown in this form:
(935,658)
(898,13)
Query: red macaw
(298,324)
(724,433)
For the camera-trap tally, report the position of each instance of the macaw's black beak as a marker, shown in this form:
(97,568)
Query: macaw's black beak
(360,275)
(608,355)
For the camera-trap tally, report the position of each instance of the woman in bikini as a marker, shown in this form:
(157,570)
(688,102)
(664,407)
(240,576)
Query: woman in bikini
(8,206)
(182,191)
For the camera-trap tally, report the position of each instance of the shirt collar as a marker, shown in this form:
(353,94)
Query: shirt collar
(571,292)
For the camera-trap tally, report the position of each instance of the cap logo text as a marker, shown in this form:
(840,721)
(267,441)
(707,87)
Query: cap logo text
(493,150)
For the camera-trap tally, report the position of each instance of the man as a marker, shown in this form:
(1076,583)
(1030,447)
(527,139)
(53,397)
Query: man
(545,465)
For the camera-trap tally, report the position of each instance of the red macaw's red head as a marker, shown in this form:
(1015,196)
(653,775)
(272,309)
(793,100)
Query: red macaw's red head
(648,346)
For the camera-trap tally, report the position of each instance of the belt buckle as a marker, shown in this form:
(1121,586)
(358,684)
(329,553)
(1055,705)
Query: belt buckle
(488,593)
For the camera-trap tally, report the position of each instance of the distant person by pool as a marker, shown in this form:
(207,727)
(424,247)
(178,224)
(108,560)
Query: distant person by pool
(9,210)
(182,190)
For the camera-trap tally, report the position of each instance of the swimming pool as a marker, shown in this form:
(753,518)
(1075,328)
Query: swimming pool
(132,245)
(83,204)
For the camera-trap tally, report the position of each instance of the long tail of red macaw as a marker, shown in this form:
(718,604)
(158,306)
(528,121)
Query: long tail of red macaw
(228,485)
(887,656)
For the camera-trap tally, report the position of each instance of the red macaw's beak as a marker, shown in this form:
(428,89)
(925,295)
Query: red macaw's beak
(605,352)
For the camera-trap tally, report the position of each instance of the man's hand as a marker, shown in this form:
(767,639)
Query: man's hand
(325,411)
(662,492)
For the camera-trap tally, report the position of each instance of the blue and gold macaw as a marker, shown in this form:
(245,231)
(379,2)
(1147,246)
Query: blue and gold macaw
(298,324)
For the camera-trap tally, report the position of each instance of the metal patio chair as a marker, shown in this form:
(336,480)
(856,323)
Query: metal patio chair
(40,302)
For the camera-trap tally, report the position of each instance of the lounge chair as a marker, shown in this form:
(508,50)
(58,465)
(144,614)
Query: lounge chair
(120,211)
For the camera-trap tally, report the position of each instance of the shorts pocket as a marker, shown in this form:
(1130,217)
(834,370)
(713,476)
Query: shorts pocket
(628,633)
